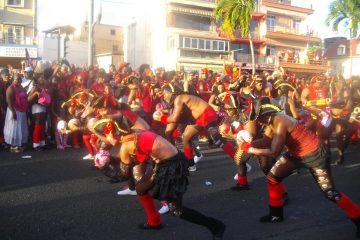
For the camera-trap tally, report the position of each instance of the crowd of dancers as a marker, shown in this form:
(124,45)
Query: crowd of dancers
(282,120)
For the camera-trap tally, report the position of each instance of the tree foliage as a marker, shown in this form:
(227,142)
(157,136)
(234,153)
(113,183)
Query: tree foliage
(234,15)
(346,12)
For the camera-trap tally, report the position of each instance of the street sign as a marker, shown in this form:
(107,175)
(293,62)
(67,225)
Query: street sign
(17,52)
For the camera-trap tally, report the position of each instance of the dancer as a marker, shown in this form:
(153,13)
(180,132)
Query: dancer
(139,150)
(303,147)
(204,116)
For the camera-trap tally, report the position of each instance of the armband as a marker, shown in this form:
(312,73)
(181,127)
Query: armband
(163,119)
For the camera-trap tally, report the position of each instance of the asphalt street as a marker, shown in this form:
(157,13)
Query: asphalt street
(57,195)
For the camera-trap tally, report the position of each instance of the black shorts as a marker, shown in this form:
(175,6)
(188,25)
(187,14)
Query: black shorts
(316,159)
(171,178)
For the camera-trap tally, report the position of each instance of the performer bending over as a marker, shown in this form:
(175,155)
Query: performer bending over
(167,180)
(189,106)
(303,147)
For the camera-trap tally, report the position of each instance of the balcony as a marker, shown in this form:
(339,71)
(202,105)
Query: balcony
(287,5)
(16,40)
(291,33)
(255,36)
(259,59)
(195,3)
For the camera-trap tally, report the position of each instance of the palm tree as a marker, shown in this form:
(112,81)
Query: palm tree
(236,15)
(348,13)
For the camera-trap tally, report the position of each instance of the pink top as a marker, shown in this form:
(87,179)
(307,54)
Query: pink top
(21,102)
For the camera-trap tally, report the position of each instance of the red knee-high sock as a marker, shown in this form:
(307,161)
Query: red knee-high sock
(93,142)
(42,132)
(86,139)
(75,138)
(283,188)
(153,216)
(36,135)
(275,192)
(229,149)
(188,152)
(242,180)
(351,209)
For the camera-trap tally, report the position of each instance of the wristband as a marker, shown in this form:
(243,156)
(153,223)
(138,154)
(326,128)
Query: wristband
(163,119)
(251,149)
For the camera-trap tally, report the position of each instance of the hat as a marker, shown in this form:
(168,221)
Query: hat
(171,88)
(258,78)
(28,69)
(119,125)
(204,70)
(229,99)
(5,71)
(285,87)
(262,106)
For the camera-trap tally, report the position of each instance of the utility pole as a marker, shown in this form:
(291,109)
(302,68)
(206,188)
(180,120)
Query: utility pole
(58,44)
(90,36)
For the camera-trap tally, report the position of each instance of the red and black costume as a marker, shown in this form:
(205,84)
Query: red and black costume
(303,148)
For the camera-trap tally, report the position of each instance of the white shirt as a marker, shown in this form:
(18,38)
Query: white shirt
(27,84)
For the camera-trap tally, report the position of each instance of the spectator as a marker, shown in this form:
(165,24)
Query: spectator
(16,129)
(28,80)
(38,112)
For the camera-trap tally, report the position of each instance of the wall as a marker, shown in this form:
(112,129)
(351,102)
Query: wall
(77,50)
(344,64)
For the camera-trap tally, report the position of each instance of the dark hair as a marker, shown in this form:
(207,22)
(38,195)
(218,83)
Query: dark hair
(143,67)
(170,75)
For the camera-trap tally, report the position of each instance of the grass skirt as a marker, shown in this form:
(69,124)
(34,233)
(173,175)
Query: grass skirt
(171,178)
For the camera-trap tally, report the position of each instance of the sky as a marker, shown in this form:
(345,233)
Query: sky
(119,12)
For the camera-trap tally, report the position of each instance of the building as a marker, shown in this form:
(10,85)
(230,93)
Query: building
(337,51)
(59,43)
(17,31)
(176,34)
(108,43)
(281,37)
(180,34)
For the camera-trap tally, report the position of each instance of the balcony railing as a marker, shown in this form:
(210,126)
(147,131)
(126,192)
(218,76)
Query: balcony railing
(272,59)
(254,35)
(291,30)
(15,40)
(259,59)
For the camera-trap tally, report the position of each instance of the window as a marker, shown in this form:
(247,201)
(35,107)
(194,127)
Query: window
(15,3)
(14,34)
(270,50)
(221,45)
(296,25)
(341,50)
(358,49)
(181,42)
(270,21)
(187,42)
(201,44)
(194,43)
(208,45)
(112,32)
(115,48)
(215,45)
